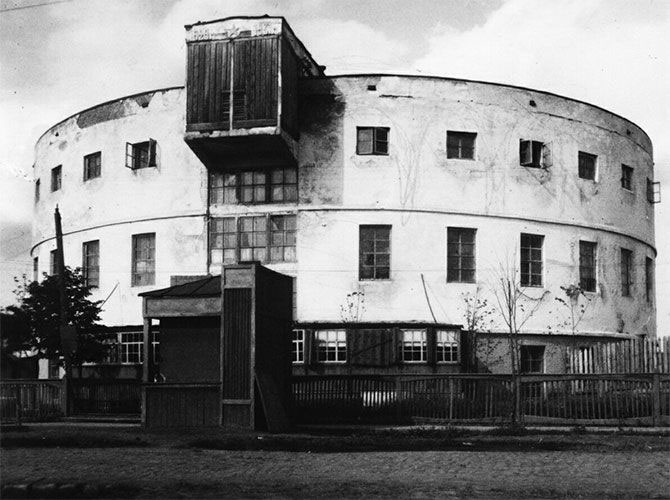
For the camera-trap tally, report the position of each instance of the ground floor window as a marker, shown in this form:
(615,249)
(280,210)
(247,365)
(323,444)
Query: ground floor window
(298,346)
(414,346)
(532,359)
(331,346)
(447,346)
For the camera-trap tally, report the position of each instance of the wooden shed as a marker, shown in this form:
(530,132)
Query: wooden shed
(224,353)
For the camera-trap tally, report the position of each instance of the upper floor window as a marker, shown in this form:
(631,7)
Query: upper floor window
(141,154)
(446,343)
(531,259)
(587,166)
(626,271)
(298,346)
(653,191)
(279,185)
(53,262)
(263,238)
(92,165)
(91,263)
(56,178)
(144,259)
(649,277)
(587,266)
(461,145)
(461,255)
(331,346)
(36,268)
(372,140)
(414,346)
(374,252)
(626,177)
(532,359)
(534,154)
(37,190)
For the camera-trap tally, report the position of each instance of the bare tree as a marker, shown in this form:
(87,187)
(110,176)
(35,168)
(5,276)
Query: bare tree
(478,318)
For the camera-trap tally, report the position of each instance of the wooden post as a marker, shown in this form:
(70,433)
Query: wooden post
(398,398)
(656,398)
(451,398)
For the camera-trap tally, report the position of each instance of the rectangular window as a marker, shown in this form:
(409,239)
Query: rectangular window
(532,359)
(56,178)
(282,238)
(372,140)
(587,166)
(253,238)
(374,252)
(223,240)
(53,262)
(414,346)
(37,190)
(132,348)
(447,346)
(279,185)
(331,346)
(587,266)
(91,263)
(649,278)
(530,153)
(460,255)
(531,259)
(653,191)
(36,268)
(626,271)
(92,164)
(298,346)
(626,177)
(141,154)
(144,259)
(461,145)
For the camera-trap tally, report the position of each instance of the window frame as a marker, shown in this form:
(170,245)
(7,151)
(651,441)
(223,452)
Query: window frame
(583,157)
(53,262)
(649,278)
(592,266)
(375,141)
(225,188)
(460,136)
(627,173)
(96,171)
(136,279)
(377,269)
(298,346)
(461,256)
(336,345)
(531,153)
(56,178)
(86,267)
(134,160)
(38,185)
(408,346)
(626,261)
(525,359)
(529,262)
(128,356)
(445,345)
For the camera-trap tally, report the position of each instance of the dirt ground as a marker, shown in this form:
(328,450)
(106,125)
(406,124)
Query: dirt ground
(127,462)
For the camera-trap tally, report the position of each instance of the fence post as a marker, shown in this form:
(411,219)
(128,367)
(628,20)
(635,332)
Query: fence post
(451,398)
(398,397)
(656,398)
(19,407)
(64,395)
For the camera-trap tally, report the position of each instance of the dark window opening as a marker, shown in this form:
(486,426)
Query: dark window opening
(461,145)
(531,259)
(587,166)
(627,177)
(53,262)
(374,252)
(653,191)
(56,178)
(141,155)
(37,190)
(372,140)
(532,359)
(279,185)
(649,277)
(587,266)
(36,268)
(461,255)
(92,165)
(626,271)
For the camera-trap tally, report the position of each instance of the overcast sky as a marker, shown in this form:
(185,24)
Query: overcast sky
(60,58)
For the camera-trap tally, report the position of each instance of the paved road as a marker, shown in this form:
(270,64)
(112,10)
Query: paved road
(195,473)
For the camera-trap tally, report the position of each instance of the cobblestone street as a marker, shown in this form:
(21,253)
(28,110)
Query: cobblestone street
(196,473)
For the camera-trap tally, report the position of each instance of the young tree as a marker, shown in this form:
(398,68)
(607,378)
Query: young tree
(477,318)
(39,309)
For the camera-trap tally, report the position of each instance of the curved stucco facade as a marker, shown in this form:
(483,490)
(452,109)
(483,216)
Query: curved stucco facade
(414,189)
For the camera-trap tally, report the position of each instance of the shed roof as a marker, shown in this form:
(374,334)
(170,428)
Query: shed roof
(205,287)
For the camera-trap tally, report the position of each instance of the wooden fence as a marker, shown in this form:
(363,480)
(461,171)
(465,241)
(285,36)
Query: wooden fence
(105,397)
(640,355)
(31,400)
(182,405)
(613,399)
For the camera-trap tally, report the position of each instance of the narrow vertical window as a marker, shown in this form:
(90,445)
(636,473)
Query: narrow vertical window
(53,262)
(374,252)
(414,346)
(223,241)
(36,268)
(587,166)
(56,178)
(331,346)
(587,266)
(144,259)
(626,271)
(37,190)
(282,238)
(92,165)
(253,238)
(626,177)
(447,346)
(461,145)
(91,263)
(649,278)
(460,255)
(372,140)
(531,259)
(298,346)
